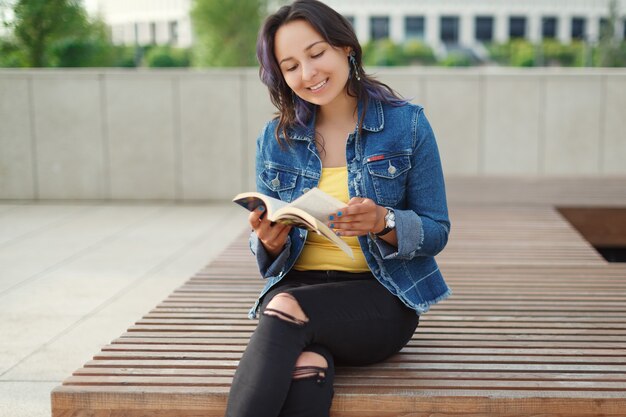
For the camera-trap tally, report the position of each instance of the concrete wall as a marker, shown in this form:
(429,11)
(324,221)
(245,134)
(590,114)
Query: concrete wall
(189,135)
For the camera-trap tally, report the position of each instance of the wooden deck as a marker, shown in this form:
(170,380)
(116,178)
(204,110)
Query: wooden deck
(536,326)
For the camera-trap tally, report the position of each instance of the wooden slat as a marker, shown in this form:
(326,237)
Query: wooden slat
(536,326)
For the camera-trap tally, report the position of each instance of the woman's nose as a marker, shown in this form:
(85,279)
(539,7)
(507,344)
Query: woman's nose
(308,72)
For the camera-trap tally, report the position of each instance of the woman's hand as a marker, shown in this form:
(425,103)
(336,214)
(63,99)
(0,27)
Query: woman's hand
(360,217)
(272,235)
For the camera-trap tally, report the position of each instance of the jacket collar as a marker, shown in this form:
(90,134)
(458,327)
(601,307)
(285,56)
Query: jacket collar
(374,121)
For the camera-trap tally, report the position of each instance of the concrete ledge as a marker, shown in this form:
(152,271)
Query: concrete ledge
(184,135)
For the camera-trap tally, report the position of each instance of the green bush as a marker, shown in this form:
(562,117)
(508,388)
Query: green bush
(77,52)
(125,56)
(383,52)
(555,53)
(456,59)
(613,55)
(166,56)
(418,53)
(522,54)
(11,55)
(516,53)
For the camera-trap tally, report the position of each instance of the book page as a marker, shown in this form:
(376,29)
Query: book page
(253,200)
(310,211)
(317,203)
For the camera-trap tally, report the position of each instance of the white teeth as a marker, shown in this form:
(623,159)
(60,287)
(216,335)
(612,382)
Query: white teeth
(318,86)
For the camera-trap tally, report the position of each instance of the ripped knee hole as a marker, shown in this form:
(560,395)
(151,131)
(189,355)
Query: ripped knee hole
(284,316)
(286,301)
(310,372)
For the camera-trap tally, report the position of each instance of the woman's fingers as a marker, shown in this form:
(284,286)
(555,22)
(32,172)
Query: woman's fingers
(254,218)
(358,218)
(272,235)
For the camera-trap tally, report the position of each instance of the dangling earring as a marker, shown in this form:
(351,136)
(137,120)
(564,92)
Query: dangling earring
(355,67)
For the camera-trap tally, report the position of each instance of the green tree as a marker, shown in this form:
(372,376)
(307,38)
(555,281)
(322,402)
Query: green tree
(57,33)
(40,23)
(226,31)
(89,47)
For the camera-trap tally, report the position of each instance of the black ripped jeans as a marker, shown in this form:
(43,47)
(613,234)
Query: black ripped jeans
(352,320)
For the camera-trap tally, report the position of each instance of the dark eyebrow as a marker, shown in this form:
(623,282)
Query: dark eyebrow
(306,49)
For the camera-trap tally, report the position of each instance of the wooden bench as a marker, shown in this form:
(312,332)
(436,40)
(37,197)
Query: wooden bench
(536,326)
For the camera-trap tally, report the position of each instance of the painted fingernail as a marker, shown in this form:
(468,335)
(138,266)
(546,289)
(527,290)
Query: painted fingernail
(261,208)
(331,217)
(338,214)
(338,233)
(332,225)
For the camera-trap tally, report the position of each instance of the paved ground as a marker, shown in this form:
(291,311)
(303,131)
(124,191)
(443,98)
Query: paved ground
(74,276)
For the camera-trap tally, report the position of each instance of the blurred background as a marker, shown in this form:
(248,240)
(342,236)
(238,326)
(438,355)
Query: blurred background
(209,33)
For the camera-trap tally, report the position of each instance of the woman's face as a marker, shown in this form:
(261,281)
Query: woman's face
(315,71)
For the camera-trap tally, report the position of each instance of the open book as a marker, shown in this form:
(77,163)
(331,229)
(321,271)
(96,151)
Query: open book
(309,211)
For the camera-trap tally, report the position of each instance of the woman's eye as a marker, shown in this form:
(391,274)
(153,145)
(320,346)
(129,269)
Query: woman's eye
(318,55)
(291,68)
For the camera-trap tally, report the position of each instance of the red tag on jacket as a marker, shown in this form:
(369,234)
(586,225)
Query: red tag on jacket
(375,158)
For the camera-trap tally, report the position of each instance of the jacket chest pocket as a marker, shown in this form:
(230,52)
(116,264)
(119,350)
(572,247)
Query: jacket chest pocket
(388,178)
(280,181)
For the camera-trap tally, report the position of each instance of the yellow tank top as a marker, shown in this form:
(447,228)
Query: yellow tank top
(319,253)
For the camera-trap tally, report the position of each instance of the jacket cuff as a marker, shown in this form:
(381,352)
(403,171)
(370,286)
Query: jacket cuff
(410,235)
(268,266)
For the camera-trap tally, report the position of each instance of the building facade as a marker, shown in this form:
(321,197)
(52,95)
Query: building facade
(146,22)
(438,23)
(471,22)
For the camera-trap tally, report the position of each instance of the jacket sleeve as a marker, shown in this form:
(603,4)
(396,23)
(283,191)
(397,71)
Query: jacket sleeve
(423,227)
(267,266)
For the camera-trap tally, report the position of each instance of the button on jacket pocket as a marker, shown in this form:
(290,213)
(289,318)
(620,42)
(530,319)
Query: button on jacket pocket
(280,181)
(389,177)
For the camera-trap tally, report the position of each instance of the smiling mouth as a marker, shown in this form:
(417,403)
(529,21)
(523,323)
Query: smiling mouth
(318,86)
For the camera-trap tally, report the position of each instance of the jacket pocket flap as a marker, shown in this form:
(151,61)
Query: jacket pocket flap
(389,167)
(278,180)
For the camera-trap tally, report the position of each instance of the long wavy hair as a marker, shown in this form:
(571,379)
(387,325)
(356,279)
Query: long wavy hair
(338,32)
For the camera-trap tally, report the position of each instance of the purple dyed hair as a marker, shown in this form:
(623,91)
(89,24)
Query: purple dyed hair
(335,30)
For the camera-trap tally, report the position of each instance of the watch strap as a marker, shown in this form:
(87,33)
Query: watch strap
(390,223)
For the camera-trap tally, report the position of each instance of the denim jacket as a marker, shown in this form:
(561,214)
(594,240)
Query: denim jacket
(394,162)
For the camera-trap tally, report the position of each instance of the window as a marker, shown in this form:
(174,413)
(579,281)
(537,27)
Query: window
(517,27)
(605,27)
(414,27)
(450,29)
(548,27)
(152,33)
(379,27)
(350,19)
(173,32)
(578,28)
(483,28)
(607,30)
(136,31)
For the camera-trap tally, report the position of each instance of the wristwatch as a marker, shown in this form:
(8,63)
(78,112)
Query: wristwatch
(390,222)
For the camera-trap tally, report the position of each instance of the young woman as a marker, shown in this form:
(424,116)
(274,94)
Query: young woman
(353,137)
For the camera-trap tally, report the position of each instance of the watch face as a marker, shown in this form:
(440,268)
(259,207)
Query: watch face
(390,219)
